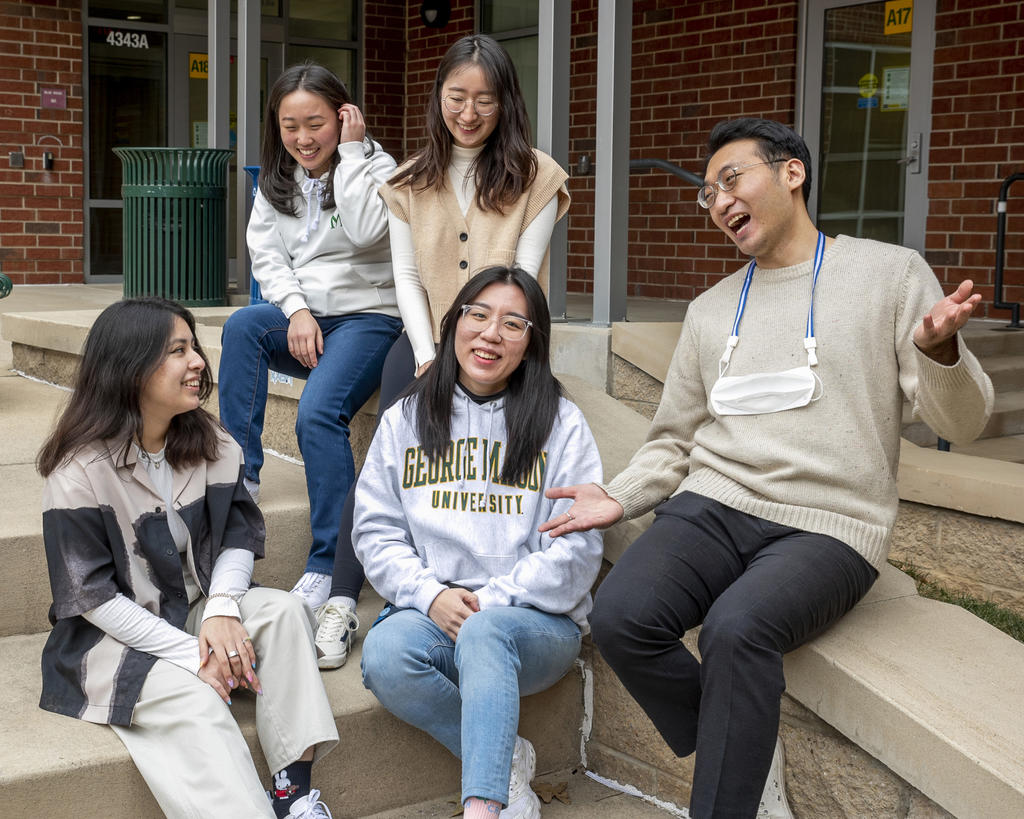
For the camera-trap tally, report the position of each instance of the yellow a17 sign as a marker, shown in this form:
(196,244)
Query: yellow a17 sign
(899,16)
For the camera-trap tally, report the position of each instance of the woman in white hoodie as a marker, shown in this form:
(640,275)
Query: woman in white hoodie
(318,238)
(482,608)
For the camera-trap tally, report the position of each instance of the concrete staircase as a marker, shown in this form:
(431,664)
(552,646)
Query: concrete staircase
(1001,353)
(383,766)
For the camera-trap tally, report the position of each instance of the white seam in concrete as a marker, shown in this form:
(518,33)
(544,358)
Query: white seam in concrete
(42,381)
(631,791)
(587,724)
(282,456)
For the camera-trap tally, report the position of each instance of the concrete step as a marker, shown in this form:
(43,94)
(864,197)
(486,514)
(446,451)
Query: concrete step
(1008,448)
(1006,372)
(381,763)
(588,799)
(987,337)
(1007,419)
(27,410)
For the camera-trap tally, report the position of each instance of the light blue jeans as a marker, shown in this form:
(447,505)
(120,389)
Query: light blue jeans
(466,693)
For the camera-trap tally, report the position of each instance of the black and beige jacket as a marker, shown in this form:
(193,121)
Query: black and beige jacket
(105,531)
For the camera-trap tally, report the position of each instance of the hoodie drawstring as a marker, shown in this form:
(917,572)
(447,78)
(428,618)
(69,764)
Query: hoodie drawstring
(313,190)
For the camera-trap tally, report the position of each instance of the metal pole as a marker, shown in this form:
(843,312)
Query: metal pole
(218,99)
(611,184)
(248,148)
(553,127)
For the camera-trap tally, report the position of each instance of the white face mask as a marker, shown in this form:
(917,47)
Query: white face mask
(762,393)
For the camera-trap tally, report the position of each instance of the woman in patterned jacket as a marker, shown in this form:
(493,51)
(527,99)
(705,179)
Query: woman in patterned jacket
(150,538)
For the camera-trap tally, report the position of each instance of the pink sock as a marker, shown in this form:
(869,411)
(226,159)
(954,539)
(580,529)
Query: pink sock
(476,808)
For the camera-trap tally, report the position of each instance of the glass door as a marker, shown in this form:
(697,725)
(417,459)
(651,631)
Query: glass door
(189,92)
(127,108)
(866,115)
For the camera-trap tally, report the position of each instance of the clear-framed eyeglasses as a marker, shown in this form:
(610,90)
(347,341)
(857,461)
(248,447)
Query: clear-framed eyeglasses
(726,182)
(510,328)
(456,104)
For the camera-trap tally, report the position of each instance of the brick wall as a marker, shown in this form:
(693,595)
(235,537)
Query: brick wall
(41,219)
(977,141)
(426,47)
(384,73)
(693,65)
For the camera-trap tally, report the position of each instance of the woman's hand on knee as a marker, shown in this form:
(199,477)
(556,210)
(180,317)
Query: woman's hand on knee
(305,339)
(225,647)
(451,608)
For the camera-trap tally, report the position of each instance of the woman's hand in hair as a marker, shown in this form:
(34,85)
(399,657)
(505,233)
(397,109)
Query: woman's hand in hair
(220,637)
(451,608)
(353,127)
(305,340)
(592,509)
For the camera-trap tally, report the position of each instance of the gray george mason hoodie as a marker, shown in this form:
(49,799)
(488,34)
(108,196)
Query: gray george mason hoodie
(420,525)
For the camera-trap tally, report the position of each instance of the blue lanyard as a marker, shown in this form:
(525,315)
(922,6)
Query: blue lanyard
(809,342)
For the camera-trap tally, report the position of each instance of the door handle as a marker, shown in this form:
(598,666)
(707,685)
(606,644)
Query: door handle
(913,157)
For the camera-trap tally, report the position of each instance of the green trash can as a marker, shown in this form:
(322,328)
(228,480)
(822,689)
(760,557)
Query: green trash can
(175,223)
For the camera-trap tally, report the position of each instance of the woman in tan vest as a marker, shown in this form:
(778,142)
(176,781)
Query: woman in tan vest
(477,195)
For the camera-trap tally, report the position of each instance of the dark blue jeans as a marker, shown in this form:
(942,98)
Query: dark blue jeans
(254,340)
(760,589)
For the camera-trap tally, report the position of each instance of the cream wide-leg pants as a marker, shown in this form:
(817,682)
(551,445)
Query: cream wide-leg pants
(185,741)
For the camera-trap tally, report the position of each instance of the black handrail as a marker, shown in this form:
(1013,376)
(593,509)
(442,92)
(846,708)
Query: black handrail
(999,304)
(668,167)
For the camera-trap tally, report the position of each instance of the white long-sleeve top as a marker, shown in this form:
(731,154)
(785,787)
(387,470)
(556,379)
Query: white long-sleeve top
(412,295)
(331,261)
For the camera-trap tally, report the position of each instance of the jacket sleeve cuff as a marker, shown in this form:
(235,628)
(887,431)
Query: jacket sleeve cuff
(292,304)
(426,594)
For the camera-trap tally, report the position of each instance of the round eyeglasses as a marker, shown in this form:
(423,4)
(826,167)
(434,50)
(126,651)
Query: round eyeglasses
(726,182)
(456,104)
(510,328)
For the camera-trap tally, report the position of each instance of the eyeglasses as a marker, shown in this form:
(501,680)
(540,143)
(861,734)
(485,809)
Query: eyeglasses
(457,104)
(510,328)
(726,182)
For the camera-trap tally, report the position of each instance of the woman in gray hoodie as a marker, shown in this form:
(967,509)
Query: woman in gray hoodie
(482,607)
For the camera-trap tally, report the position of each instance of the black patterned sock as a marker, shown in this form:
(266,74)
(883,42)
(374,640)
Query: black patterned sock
(289,784)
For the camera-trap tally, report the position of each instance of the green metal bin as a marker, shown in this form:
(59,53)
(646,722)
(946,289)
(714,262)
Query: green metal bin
(175,223)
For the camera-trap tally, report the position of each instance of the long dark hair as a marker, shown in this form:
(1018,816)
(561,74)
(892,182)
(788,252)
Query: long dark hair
(126,345)
(506,166)
(277,166)
(532,394)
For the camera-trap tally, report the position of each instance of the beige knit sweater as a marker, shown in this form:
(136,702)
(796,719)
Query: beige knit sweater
(828,467)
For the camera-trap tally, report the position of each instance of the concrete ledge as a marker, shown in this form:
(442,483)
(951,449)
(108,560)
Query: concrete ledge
(382,763)
(967,483)
(926,688)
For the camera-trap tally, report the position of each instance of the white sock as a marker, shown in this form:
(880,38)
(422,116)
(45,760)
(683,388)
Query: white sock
(342,602)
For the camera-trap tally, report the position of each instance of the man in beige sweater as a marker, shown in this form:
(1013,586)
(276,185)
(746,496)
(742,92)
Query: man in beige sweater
(771,463)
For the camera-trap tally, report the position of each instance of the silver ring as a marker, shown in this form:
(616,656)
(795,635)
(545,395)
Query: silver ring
(570,515)
(232,654)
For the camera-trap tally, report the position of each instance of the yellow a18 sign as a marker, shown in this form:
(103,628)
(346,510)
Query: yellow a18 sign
(198,65)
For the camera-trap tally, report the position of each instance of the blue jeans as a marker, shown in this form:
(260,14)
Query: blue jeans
(466,693)
(254,340)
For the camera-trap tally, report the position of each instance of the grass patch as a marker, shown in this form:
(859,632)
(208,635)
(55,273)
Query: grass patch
(1003,619)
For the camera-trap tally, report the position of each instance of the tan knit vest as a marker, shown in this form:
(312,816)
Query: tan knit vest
(451,248)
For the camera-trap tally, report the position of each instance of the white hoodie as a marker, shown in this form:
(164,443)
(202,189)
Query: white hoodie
(332,261)
(420,525)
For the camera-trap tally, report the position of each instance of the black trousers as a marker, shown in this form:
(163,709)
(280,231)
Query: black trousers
(399,372)
(760,590)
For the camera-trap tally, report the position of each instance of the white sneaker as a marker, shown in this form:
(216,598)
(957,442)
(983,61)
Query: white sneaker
(774,804)
(253,488)
(309,807)
(523,803)
(314,588)
(336,627)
